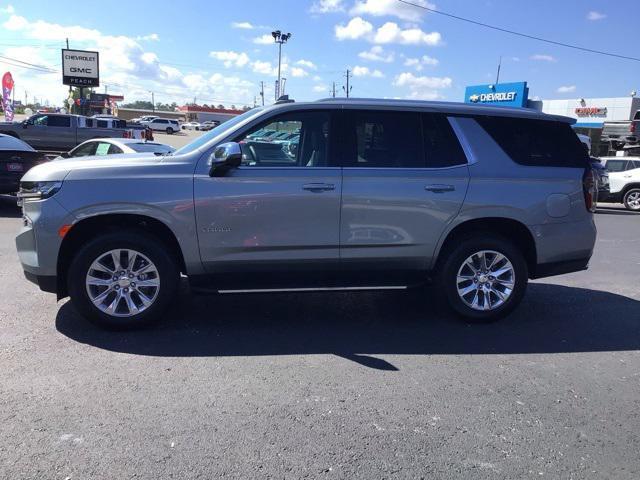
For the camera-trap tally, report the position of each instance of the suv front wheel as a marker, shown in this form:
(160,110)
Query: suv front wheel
(484,277)
(123,280)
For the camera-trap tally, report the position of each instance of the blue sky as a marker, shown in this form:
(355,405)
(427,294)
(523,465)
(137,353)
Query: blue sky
(211,50)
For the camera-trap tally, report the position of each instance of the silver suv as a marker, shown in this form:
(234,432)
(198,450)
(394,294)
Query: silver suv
(362,194)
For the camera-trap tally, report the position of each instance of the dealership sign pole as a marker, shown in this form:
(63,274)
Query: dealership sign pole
(80,68)
(7,104)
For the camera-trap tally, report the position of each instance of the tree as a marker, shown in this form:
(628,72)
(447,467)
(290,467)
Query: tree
(139,104)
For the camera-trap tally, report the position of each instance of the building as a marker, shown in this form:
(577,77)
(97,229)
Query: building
(197,113)
(590,113)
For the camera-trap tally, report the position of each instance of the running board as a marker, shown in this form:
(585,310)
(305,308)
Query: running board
(313,289)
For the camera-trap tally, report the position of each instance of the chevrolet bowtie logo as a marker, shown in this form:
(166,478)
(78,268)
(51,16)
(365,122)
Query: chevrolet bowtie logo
(474,98)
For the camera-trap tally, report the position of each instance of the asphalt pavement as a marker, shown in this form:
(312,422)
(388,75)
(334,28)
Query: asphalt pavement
(323,385)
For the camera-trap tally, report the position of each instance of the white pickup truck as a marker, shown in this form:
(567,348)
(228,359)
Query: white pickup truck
(624,181)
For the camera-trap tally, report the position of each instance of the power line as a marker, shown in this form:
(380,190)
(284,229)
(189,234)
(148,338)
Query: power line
(512,32)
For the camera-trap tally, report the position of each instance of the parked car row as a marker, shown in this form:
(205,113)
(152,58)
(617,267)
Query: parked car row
(170,126)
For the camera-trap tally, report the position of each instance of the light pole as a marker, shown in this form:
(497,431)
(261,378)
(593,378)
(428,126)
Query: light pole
(279,38)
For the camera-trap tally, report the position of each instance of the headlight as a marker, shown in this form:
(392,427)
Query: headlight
(38,190)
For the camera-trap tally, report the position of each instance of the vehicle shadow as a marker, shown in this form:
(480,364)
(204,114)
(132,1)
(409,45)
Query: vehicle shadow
(552,319)
(615,211)
(8,207)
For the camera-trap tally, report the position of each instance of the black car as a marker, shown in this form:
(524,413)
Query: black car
(601,176)
(16,158)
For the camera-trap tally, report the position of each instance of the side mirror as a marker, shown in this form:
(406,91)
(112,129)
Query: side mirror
(25,123)
(225,157)
(65,155)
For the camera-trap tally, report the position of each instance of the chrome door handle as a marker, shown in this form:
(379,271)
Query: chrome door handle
(439,188)
(319,187)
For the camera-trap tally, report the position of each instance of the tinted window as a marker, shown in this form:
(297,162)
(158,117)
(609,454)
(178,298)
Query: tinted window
(441,146)
(616,165)
(59,121)
(308,148)
(636,164)
(114,149)
(102,123)
(7,142)
(384,139)
(536,142)
(85,149)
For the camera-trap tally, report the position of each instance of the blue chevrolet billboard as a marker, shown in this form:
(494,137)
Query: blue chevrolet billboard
(513,94)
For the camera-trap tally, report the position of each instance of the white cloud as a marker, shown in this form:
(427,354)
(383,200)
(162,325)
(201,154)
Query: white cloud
(317,78)
(594,16)
(377,54)
(8,9)
(327,6)
(424,88)
(566,89)
(265,39)
(242,25)
(231,59)
(264,68)
(366,72)
(379,8)
(306,63)
(390,32)
(126,66)
(420,63)
(543,58)
(298,72)
(152,37)
(356,28)
(320,88)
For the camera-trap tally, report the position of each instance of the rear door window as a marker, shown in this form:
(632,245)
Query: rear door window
(85,149)
(441,145)
(537,143)
(59,121)
(383,139)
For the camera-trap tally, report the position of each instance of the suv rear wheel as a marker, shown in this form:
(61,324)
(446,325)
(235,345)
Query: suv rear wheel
(123,280)
(632,199)
(169,130)
(484,277)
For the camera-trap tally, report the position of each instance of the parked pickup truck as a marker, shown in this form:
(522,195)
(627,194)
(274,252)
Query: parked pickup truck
(619,134)
(61,132)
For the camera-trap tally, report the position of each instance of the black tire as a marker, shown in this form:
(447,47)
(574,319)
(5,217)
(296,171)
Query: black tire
(169,131)
(453,260)
(631,201)
(141,242)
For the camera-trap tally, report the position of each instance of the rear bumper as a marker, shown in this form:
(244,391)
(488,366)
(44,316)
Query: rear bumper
(560,268)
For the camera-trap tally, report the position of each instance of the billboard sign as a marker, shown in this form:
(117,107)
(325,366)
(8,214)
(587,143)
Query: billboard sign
(513,94)
(80,68)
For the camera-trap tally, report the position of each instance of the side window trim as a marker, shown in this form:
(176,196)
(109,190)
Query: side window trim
(463,140)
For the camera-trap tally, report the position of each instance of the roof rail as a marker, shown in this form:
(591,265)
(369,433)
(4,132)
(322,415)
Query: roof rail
(284,99)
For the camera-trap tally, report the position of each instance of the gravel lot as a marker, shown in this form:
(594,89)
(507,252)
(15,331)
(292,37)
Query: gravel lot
(358,385)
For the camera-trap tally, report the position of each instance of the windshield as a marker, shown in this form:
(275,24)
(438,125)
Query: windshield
(220,129)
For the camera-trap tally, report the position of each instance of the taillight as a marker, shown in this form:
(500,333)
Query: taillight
(632,127)
(589,189)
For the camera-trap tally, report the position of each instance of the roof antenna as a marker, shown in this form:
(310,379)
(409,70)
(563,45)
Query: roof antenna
(498,74)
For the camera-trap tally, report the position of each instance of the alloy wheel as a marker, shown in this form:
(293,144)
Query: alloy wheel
(122,283)
(485,280)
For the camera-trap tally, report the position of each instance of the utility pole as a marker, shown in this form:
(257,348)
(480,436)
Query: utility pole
(348,88)
(279,38)
(284,82)
(153,101)
(334,90)
(262,92)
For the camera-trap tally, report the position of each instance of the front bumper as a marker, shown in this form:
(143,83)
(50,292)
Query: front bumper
(47,283)
(38,242)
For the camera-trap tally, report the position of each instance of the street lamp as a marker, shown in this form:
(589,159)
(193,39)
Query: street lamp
(279,38)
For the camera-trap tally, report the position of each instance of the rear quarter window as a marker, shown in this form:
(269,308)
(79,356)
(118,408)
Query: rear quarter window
(536,143)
